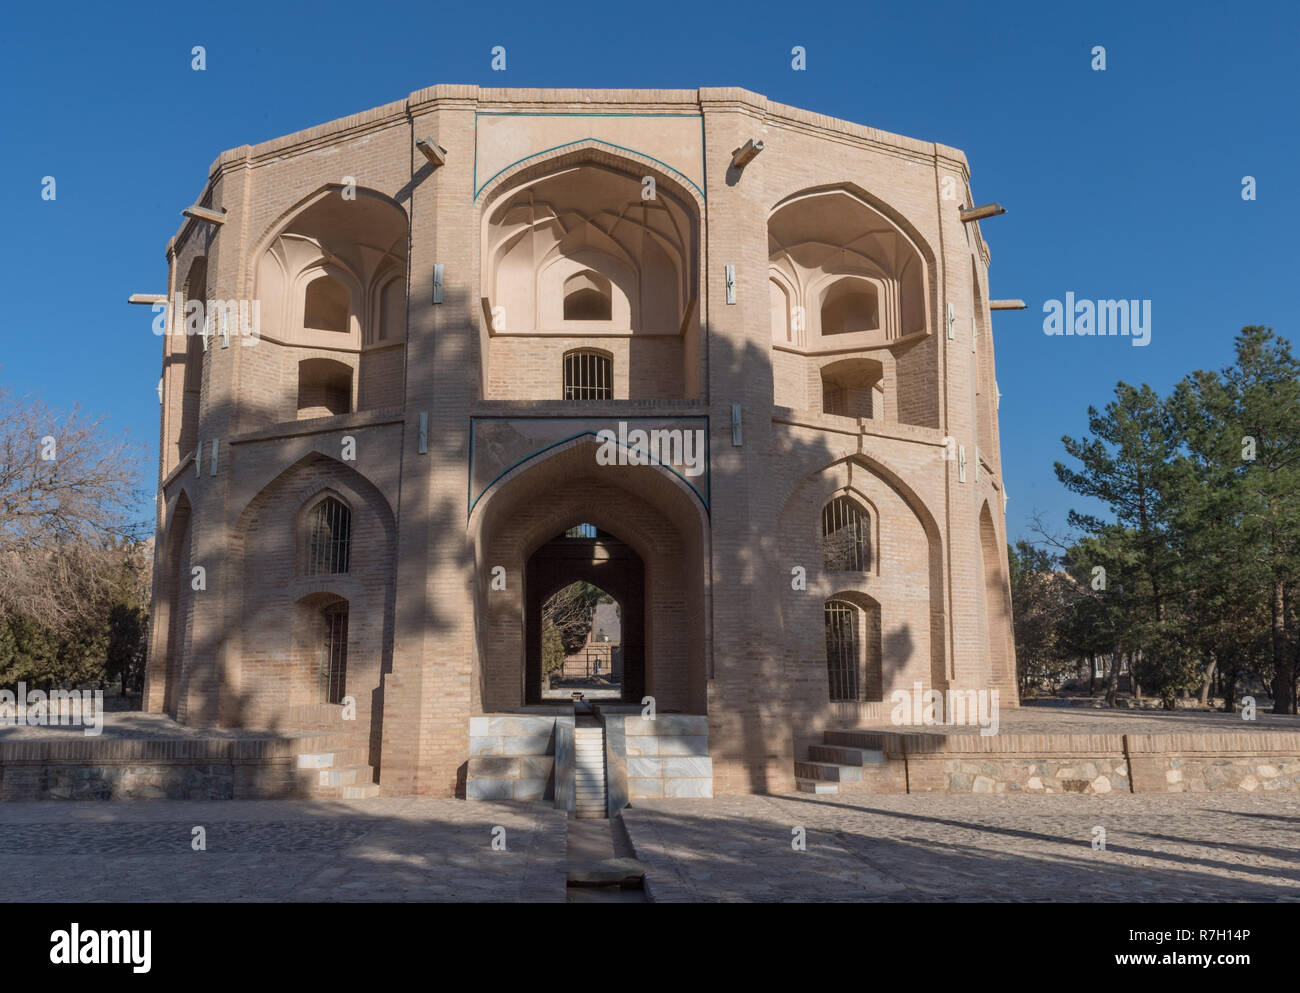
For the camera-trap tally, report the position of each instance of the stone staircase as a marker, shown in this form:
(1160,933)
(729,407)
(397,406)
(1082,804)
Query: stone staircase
(336,768)
(589,786)
(853,760)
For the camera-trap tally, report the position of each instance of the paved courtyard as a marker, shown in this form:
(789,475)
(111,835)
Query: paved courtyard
(408,849)
(1215,847)
(1186,847)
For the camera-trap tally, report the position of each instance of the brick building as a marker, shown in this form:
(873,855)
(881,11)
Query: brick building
(460,310)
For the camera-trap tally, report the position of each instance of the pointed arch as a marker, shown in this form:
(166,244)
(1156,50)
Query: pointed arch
(997,606)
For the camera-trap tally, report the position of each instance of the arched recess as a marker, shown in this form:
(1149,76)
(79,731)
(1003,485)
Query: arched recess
(658,517)
(273,677)
(320,631)
(172,600)
(324,388)
(907,581)
(867,648)
(331,278)
(850,274)
(850,533)
(853,388)
(846,255)
(997,610)
(985,387)
(572,250)
(605,561)
(196,290)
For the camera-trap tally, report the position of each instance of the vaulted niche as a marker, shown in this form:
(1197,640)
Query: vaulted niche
(844,276)
(332,286)
(850,304)
(587,297)
(575,257)
(579,249)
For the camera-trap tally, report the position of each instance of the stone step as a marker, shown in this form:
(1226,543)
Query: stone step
(831,771)
(361,792)
(816,786)
(349,775)
(868,740)
(886,777)
(845,755)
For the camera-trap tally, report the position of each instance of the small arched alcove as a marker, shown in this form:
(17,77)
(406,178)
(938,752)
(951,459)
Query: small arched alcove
(324,388)
(327,305)
(587,297)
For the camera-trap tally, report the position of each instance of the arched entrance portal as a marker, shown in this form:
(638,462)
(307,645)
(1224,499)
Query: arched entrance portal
(586,554)
(647,548)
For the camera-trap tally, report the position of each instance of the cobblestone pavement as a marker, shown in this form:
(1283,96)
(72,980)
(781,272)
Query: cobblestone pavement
(1199,848)
(409,849)
(1205,848)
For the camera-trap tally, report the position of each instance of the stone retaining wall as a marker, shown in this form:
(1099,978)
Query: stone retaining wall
(156,769)
(514,757)
(667,756)
(1047,763)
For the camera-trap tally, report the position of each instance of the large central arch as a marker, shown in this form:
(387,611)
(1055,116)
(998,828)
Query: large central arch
(663,524)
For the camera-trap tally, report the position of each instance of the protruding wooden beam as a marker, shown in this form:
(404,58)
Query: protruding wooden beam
(204,214)
(148,299)
(744,155)
(434,153)
(1007,305)
(981,212)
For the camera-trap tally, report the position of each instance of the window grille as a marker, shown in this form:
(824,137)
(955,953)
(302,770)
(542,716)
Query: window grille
(842,650)
(329,546)
(588,376)
(846,536)
(334,655)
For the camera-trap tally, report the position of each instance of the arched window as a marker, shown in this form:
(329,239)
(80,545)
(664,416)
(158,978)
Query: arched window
(588,376)
(327,306)
(334,653)
(846,536)
(843,649)
(329,538)
(587,297)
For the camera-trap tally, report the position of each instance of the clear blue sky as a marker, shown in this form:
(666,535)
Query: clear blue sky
(1122,183)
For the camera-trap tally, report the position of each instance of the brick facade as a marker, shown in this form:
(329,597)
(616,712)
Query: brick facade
(849,378)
